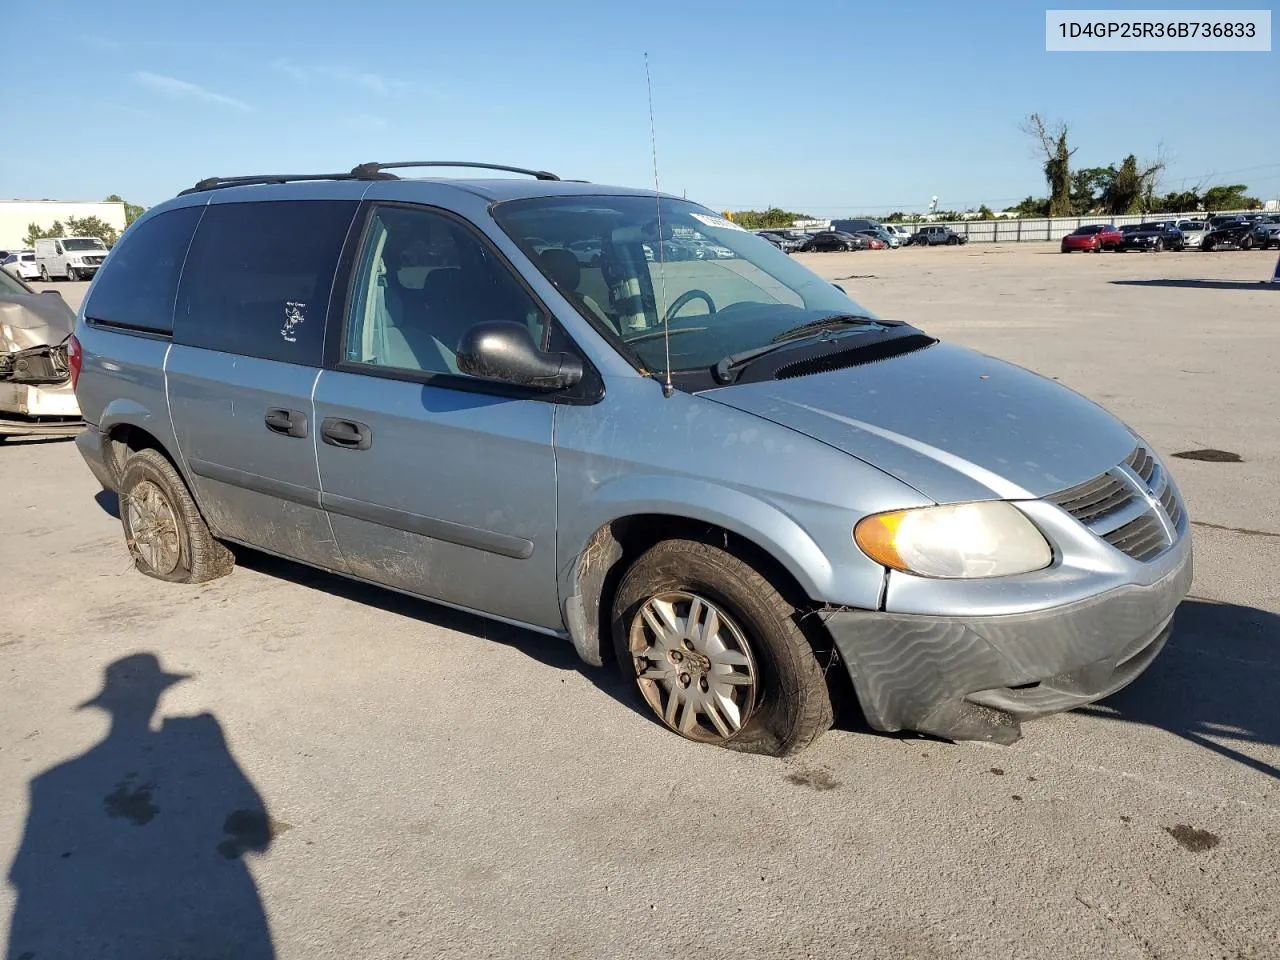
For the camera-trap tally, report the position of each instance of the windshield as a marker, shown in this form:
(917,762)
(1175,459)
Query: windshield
(722,289)
(83,243)
(1190,225)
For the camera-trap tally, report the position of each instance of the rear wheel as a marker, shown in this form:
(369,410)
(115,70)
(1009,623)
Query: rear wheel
(1246,243)
(44,273)
(166,536)
(716,652)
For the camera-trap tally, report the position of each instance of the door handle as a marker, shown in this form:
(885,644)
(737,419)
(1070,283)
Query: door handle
(287,423)
(347,434)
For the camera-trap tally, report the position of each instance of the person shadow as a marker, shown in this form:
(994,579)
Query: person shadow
(135,849)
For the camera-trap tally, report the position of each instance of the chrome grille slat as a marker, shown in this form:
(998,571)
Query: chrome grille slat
(1116,508)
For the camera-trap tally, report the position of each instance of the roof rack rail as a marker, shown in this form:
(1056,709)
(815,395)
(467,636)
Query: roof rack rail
(372,170)
(217,183)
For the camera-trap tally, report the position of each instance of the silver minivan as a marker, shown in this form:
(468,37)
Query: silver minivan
(723,474)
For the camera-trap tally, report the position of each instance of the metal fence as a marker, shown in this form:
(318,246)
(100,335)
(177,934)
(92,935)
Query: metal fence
(1045,228)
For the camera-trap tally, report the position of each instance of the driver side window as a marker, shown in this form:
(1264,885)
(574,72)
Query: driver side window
(422,281)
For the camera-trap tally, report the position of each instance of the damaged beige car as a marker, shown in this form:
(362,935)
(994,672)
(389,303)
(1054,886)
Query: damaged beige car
(36,397)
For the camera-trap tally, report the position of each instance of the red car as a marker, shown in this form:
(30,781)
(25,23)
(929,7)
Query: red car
(1085,238)
(1110,236)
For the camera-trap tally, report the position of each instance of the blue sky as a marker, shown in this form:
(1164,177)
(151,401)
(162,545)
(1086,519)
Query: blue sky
(827,107)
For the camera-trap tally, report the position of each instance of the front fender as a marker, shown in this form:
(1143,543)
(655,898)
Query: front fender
(741,513)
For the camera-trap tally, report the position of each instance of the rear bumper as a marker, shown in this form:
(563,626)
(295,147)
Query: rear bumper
(92,447)
(977,678)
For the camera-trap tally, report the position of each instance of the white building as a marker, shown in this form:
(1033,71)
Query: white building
(17,215)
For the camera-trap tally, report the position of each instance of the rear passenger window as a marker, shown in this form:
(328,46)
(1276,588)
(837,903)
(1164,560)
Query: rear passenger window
(137,287)
(259,276)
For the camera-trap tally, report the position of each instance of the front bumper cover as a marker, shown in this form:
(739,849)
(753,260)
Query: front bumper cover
(977,678)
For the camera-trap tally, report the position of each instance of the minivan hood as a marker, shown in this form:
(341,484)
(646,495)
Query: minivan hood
(954,424)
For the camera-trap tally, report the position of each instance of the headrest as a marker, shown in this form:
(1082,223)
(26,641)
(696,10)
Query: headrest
(562,267)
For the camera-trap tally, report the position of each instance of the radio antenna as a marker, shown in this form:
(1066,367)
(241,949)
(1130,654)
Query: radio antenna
(667,388)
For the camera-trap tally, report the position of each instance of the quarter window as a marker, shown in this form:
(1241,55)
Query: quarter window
(259,277)
(137,286)
(423,280)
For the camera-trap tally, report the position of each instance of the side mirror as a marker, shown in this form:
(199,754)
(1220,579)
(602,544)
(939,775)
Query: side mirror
(506,351)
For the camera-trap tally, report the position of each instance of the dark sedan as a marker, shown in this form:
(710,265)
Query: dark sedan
(1155,237)
(835,240)
(1230,233)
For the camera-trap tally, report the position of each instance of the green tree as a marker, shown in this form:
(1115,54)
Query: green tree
(1089,186)
(92,227)
(1230,197)
(1125,193)
(1052,140)
(131,210)
(1179,201)
(34,232)
(772,218)
(986,213)
(1033,207)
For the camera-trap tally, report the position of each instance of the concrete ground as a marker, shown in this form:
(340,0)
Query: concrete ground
(437,785)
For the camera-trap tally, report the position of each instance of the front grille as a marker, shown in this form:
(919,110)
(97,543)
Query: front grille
(1118,506)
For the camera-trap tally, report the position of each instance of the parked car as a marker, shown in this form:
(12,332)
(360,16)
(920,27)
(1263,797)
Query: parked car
(933,236)
(869,228)
(1266,232)
(1154,237)
(22,264)
(1088,239)
(1235,234)
(878,232)
(874,242)
(1192,231)
(1110,237)
(36,395)
(972,544)
(828,240)
(788,241)
(899,231)
(70,258)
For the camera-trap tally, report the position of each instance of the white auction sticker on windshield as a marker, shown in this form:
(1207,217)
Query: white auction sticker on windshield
(719,222)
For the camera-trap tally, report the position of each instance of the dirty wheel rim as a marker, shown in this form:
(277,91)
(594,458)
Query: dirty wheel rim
(693,665)
(153,527)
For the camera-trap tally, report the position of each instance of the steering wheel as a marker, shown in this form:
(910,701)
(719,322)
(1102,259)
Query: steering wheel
(687,297)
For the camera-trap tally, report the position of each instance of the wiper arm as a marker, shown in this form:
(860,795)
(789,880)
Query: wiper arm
(724,369)
(833,322)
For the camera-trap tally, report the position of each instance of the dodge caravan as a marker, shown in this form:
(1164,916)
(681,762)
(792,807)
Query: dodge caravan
(723,474)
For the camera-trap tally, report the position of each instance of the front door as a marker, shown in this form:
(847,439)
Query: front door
(435,482)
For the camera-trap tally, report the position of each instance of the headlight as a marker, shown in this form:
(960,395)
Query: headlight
(985,539)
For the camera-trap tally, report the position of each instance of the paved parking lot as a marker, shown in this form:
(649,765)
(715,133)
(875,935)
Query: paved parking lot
(441,786)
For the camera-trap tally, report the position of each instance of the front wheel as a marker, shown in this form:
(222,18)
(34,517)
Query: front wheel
(44,273)
(716,652)
(1246,243)
(166,535)
(72,274)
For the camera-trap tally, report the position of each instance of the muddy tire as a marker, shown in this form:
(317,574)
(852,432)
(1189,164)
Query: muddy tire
(166,536)
(694,624)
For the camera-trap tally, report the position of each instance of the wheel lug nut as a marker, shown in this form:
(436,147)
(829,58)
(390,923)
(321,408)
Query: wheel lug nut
(676,656)
(684,679)
(702,684)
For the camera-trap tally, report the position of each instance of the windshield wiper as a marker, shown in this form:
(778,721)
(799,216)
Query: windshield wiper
(655,334)
(725,367)
(833,322)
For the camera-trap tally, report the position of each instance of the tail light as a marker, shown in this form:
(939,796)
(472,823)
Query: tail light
(75,357)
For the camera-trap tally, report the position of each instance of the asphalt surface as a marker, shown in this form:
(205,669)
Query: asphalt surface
(437,785)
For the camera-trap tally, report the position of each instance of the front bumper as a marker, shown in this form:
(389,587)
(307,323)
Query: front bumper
(977,678)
